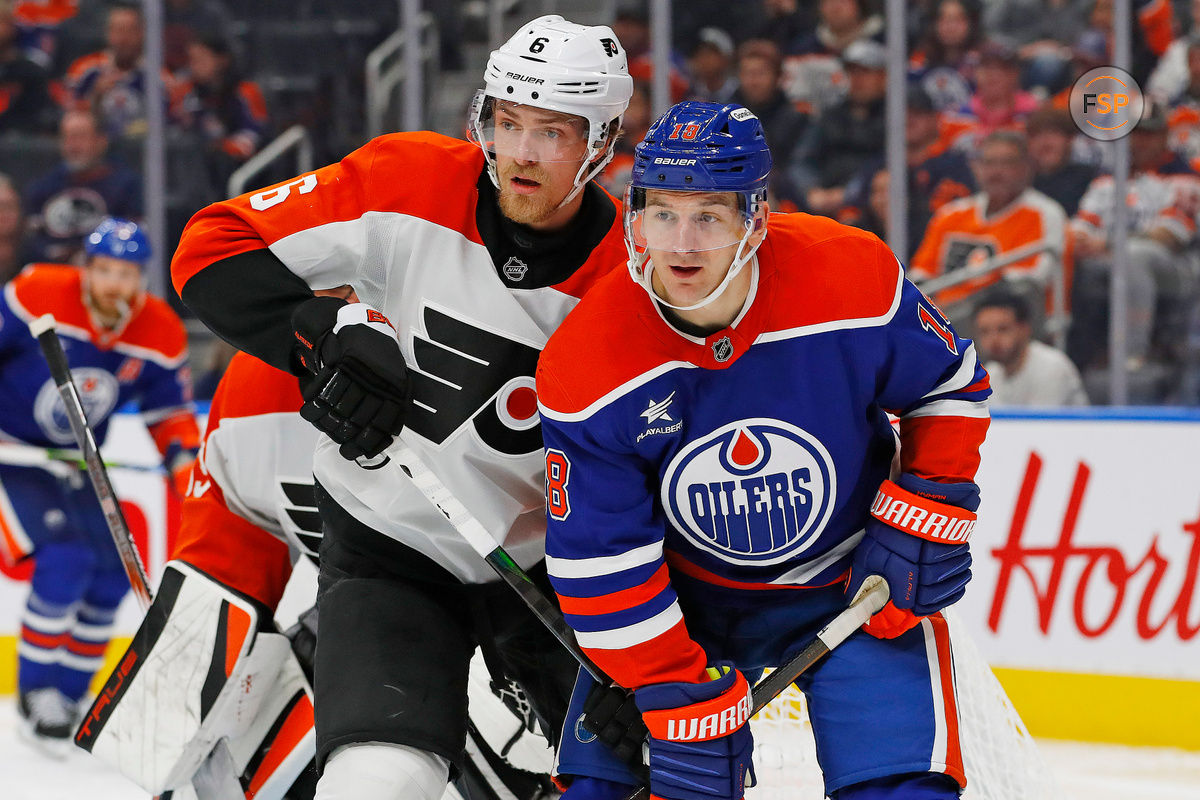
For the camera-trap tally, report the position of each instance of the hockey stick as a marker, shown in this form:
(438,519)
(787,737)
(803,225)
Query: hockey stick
(485,545)
(217,778)
(15,454)
(871,597)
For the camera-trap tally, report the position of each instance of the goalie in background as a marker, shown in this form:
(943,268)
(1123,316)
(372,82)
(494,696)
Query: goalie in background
(211,664)
(123,346)
(719,463)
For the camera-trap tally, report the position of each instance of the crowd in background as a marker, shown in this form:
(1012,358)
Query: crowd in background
(997,172)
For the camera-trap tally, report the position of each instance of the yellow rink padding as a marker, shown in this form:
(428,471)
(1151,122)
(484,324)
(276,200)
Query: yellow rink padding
(8,662)
(1106,708)
(1057,705)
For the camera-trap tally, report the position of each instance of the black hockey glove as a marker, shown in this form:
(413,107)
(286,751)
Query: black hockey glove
(359,392)
(610,713)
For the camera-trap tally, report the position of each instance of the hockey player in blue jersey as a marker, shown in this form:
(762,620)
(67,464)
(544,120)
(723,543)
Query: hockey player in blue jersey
(123,345)
(720,478)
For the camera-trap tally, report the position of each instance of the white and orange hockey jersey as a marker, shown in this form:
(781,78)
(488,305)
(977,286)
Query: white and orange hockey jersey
(962,234)
(410,221)
(250,504)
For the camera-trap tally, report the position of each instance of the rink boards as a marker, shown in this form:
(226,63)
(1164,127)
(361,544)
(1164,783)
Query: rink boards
(1087,556)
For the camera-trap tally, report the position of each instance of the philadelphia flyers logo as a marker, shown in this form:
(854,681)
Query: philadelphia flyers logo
(610,47)
(935,326)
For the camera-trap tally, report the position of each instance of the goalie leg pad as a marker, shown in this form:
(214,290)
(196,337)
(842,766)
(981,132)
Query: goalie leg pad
(198,670)
(376,771)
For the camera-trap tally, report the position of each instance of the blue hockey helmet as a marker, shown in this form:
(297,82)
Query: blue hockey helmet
(697,147)
(119,238)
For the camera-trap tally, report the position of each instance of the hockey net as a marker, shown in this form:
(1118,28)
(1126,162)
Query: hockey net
(1001,758)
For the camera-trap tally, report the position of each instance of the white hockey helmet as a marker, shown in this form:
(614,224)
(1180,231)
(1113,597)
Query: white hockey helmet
(558,66)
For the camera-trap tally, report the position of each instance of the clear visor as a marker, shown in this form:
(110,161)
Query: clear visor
(684,222)
(530,134)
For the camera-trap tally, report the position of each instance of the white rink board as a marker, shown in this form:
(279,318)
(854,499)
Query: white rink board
(1088,546)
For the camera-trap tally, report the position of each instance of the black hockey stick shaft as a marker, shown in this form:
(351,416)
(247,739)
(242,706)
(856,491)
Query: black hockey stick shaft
(471,529)
(872,597)
(43,329)
(217,777)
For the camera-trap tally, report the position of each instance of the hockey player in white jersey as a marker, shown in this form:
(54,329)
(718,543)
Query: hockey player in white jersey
(475,252)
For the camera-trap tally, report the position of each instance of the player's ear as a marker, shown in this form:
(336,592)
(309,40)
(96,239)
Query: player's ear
(760,224)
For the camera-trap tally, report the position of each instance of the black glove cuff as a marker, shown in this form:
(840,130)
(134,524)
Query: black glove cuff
(311,321)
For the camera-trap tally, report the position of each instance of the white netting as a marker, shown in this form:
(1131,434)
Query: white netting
(1002,760)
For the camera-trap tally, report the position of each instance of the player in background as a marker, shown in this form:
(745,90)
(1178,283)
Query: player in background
(475,251)
(718,460)
(123,345)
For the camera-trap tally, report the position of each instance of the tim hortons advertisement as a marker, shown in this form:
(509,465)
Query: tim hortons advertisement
(1088,547)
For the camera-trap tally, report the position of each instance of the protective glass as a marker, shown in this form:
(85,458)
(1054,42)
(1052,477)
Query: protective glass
(684,222)
(526,133)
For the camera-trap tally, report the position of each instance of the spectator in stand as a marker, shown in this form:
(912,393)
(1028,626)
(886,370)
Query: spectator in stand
(849,135)
(227,113)
(14,252)
(711,67)
(1051,132)
(69,202)
(1004,218)
(632,27)
(759,72)
(1183,119)
(935,175)
(944,61)
(1024,371)
(186,20)
(25,103)
(634,125)
(1163,197)
(998,102)
(112,81)
(1040,30)
(39,24)
(812,64)
(1170,77)
(786,21)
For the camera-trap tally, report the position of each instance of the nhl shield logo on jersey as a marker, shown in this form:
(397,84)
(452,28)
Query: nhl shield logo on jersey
(754,491)
(514,269)
(722,349)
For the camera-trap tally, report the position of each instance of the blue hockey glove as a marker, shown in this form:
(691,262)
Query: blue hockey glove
(916,538)
(700,743)
(359,390)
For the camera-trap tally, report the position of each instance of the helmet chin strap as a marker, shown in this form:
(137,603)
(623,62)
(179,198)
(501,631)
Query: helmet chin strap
(744,253)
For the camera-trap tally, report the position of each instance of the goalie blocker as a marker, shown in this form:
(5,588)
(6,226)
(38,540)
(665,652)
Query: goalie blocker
(243,684)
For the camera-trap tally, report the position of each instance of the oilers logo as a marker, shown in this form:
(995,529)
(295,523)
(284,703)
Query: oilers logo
(98,392)
(755,491)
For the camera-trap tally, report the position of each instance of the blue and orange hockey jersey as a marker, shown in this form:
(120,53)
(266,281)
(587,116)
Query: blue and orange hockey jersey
(144,361)
(746,460)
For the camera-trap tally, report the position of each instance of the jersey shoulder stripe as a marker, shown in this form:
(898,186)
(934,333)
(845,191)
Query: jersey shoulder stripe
(404,173)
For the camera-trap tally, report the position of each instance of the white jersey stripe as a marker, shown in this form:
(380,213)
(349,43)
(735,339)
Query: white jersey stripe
(603,565)
(630,635)
(620,391)
(841,324)
(963,377)
(977,409)
(937,755)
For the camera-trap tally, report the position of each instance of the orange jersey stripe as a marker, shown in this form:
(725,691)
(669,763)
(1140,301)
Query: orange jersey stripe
(617,601)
